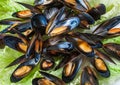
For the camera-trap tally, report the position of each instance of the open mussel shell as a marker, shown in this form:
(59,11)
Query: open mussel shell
(88,77)
(71,69)
(81,45)
(48,79)
(65,26)
(103,28)
(23,14)
(47,63)
(101,67)
(113,50)
(24,69)
(50,12)
(54,20)
(15,43)
(53,40)
(67,58)
(113,32)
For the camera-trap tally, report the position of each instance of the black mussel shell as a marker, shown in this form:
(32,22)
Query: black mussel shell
(101,67)
(88,77)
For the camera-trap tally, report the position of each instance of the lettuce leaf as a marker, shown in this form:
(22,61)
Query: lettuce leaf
(7,55)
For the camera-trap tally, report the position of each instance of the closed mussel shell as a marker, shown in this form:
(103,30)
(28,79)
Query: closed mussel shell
(39,22)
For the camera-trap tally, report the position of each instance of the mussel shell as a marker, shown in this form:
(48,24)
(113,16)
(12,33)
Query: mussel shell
(23,14)
(97,12)
(65,26)
(53,40)
(81,45)
(31,46)
(101,67)
(112,49)
(92,39)
(53,78)
(24,69)
(23,26)
(88,77)
(67,58)
(71,69)
(103,56)
(43,2)
(86,17)
(14,43)
(19,60)
(47,63)
(10,21)
(42,81)
(103,28)
(50,12)
(54,20)
(39,22)
(78,5)
(62,46)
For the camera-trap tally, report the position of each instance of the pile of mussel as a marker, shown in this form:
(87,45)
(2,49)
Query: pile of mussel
(52,28)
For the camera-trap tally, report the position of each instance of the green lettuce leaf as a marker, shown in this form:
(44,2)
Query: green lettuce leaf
(7,55)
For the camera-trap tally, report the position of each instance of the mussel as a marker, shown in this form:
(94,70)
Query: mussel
(103,29)
(71,69)
(101,67)
(54,20)
(14,43)
(88,77)
(23,14)
(49,29)
(65,26)
(112,49)
(81,45)
(10,21)
(39,22)
(47,63)
(25,68)
(48,79)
